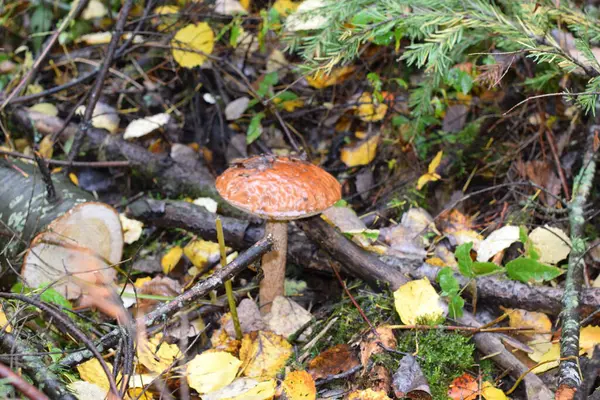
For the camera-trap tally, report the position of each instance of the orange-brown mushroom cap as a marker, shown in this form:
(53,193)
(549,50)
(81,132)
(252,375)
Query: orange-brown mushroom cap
(278,188)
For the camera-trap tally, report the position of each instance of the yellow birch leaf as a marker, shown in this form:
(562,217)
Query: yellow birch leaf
(285,7)
(264,390)
(4,324)
(157,355)
(417,299)
(489,392)
(46,147)
(168,19)
(201,252)
(138,394)
(74,178)
(291,105)
(431,175)
(45,108)
(299,385)
(369,109)
(322,80)
(91,371)
(170,259)
(211,371)
(264,354)
(192,44)
(361,154)
(589,337)
(368,394)
(523,319)
(550,359)
(245,4)
(139,282)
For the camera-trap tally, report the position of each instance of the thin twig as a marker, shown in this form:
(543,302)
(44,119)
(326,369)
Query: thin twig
(21,384)
(91,164)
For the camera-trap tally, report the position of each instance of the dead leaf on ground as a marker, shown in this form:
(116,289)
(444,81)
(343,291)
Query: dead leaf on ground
(157,355)
(299,385)
(551,243)
(417,299)
(264,354)
(211,371)
(287,317)
(465,387)
(368,394)
(497,241)
(360,153)
(409,381)
(244,389)
(333,361)
(542,174)
(370,345)
(249,317)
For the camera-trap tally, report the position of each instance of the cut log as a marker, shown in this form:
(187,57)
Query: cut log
(70,241)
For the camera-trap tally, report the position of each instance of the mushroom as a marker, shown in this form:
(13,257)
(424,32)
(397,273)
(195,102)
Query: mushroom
(278,189)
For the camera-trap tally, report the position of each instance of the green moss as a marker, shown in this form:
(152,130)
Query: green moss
(442,356)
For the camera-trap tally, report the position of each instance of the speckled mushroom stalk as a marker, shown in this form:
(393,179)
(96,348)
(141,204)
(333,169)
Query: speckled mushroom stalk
(278,189)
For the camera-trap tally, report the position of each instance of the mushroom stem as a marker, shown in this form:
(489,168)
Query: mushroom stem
(273,265)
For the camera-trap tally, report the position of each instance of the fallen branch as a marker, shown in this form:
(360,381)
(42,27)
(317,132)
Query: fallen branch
(167,309)
(40,374)
(569,377)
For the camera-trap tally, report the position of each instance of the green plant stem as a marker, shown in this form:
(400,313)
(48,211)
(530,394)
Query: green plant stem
(569,372)
(228,287)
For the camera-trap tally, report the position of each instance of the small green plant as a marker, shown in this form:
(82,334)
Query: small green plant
(526,269)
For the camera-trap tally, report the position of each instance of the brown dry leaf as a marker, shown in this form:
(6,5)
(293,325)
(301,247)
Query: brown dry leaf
(249,316)
(453,221)
(333,361)
(264,354)
(322,80)
(465,387)
(299,385)
(287,317)
(379,379)
(542,174)
(371,346)
(409,381)
(157,355)
(361,153)
(368,394)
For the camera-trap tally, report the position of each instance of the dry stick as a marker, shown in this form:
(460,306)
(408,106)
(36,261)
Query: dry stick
(39,372)
(568,375)
(66,325)
(73,14)
(95,93)
(21,384)
(162,312)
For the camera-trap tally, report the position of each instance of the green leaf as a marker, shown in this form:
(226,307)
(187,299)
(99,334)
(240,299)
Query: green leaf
(269,80)
(485,268)
(47,295)
(528,270)
(255,128)
(234,35)
(461,81)
(456,305)
(448,282)
(465,263)
(41,21)
(286,96)
(374,80)
(398,120)
(341,203)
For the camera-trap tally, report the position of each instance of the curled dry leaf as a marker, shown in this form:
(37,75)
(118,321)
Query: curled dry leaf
(249,316)
(263,354)
(132,229)
(333,361)
(371,346)
(322,80)
(497,241)
(211,371)
(409,381)
(103,117)
(143,126)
